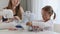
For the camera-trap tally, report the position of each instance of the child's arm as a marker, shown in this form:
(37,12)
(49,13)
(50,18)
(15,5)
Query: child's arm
(34,26)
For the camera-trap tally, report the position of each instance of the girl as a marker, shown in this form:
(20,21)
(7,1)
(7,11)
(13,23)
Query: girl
(48,16)
(47,22)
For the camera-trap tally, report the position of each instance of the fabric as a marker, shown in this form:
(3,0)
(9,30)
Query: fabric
(8,13)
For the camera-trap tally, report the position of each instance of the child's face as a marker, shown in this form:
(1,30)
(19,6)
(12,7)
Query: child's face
(45,15)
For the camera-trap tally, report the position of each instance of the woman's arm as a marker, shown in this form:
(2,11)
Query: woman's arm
(16,17)
(20,13)
(21,9)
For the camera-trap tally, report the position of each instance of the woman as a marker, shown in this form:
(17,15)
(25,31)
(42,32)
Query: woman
(14,5)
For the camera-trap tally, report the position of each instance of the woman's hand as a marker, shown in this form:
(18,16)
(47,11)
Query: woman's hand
(11,28)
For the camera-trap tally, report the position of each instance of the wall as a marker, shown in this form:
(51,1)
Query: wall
(57,28)
(29,5)
(24,4)
(3,3)
(36,8)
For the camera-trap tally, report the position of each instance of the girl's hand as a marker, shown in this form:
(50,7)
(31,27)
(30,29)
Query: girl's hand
(37,28)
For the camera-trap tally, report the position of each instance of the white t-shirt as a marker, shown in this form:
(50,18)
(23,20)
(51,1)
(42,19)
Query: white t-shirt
(45,25)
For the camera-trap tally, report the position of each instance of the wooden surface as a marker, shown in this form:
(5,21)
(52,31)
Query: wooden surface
(25,32)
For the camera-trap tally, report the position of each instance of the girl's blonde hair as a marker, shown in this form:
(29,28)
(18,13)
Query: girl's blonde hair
(49,9)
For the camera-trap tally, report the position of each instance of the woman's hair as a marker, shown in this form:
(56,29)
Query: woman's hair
(49,9)
(17,10)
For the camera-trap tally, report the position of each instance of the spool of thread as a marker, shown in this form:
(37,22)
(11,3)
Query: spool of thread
(18,26)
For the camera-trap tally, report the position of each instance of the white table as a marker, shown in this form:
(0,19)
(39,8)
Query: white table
(19,32)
